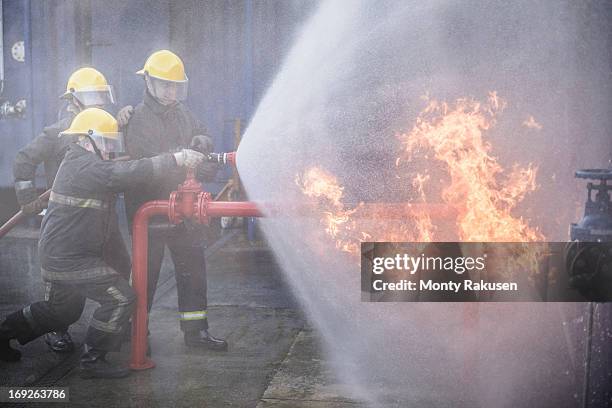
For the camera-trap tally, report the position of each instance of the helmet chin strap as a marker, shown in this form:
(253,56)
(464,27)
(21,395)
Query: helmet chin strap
(95,147)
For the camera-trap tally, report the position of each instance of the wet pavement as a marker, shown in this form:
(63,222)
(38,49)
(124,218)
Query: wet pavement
(305,379)
(273,359)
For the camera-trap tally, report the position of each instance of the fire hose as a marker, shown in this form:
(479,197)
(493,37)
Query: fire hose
(20,215)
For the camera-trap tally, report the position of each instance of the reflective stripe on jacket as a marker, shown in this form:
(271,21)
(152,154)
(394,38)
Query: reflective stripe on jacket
(81,217)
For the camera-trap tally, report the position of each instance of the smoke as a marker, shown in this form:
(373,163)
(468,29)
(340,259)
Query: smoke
(355,78)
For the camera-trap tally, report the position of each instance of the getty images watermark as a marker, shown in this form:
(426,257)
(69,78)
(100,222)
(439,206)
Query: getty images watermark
(413,264)
(465,272)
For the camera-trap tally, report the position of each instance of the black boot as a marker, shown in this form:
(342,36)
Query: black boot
(195,338)
(94,365)
(7,353)
(13,327)
(59,341)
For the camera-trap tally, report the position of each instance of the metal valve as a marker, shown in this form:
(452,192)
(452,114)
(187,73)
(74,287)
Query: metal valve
(8,110)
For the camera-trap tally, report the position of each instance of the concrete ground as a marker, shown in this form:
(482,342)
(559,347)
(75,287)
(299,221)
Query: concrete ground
(273,359)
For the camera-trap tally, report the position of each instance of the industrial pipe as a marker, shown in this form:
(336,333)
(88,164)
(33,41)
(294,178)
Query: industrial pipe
(232,209)
(140,243)
(375,211)
(140,249)
(188,202)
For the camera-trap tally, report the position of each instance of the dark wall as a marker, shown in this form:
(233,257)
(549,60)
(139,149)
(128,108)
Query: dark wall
(231,50)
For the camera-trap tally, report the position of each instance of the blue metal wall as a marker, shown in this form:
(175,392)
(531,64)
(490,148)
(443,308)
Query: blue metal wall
(17,83)
(231,49)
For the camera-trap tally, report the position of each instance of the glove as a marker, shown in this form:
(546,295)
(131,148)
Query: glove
(34,207)
(124,115)
(188,158)
(207,171)
(25,192)
(202,144)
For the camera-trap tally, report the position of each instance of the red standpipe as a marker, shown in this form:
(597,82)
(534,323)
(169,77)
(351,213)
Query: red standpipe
(188,202)
(140,248)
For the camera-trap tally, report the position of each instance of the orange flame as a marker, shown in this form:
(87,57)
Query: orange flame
(348,227)
(320,185)
(483,201)
(482,194)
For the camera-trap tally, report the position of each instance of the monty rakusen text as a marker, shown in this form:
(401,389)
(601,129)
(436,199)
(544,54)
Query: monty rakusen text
(409,265)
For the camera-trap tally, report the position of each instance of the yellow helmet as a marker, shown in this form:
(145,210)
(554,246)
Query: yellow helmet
(164,65)
(165,77)
(100,127)
(89,87)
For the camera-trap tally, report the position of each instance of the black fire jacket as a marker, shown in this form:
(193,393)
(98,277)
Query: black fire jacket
(46,148)
(154,129)
(81,217)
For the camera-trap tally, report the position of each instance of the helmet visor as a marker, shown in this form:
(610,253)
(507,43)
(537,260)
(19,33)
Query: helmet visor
(167,91)
(111,145)
(95,96)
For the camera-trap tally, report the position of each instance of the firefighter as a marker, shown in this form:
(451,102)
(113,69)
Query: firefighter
(162,123)
(86,88)
(76,234)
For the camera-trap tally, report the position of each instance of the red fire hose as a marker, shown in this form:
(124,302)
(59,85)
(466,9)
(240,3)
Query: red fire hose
(16,219)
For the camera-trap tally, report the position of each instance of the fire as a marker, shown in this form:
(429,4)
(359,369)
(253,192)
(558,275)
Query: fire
(479,189)
(322,186)
(348,227)
(318,183)
(481,193)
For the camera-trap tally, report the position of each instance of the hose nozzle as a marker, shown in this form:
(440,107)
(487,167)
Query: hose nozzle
(223,158)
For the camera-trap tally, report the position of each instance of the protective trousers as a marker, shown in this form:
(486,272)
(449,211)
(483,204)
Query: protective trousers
(115,255)
(65,306)
(186,245)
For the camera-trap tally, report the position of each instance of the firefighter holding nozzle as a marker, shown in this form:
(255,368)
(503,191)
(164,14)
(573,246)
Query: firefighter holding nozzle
(75,236)
(162,123)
